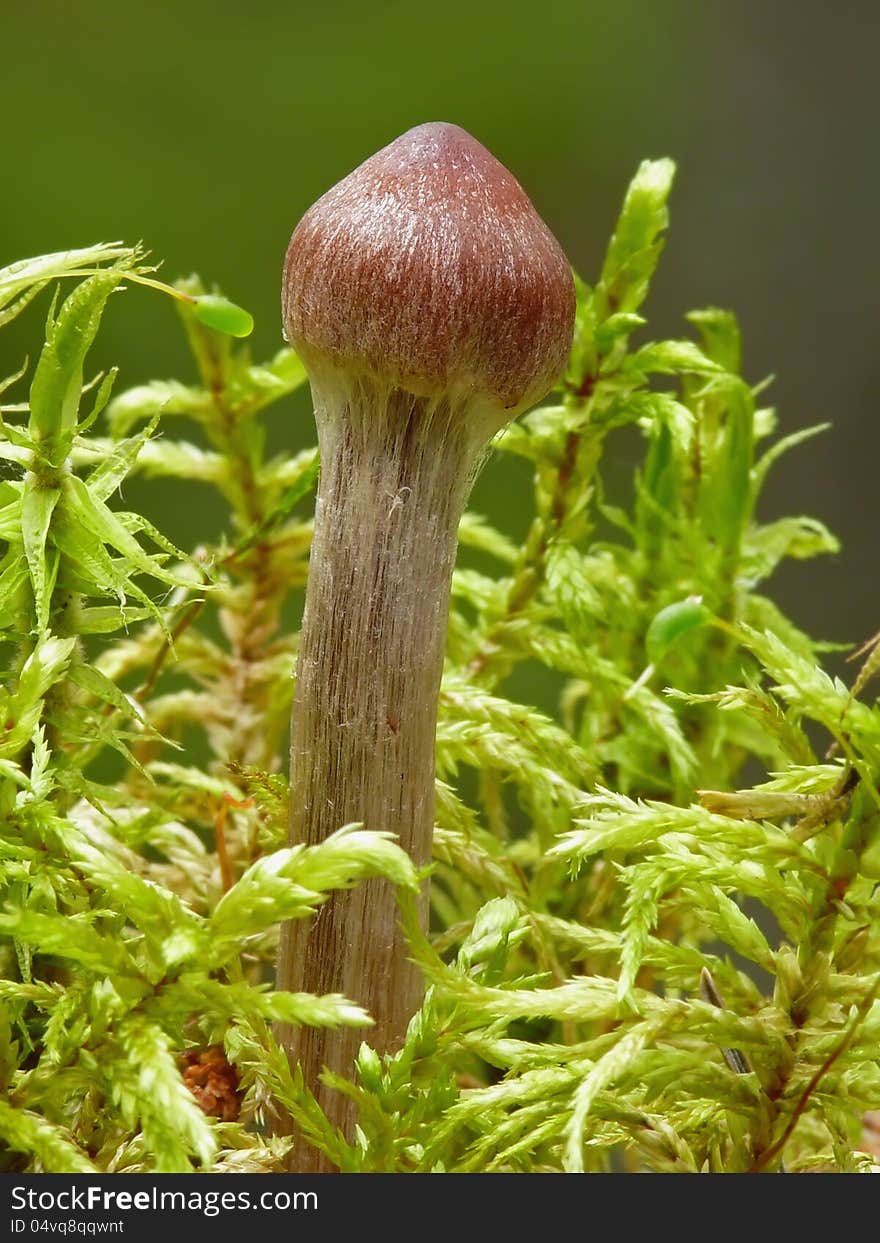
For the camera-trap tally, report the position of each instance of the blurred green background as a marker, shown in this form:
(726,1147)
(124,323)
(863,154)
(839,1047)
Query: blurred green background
(206,127)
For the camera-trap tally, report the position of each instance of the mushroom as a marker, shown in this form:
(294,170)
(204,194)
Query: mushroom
(430,305)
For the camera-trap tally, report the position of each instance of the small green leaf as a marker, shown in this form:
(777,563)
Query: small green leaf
(92,680)
(86,565)
(726,494)
(10,513)
(101,398)
(9,313)
(660,482)
(104,620)
(720,336)
(91,515)
(217,312)
(799,538)
(475,532)
(37,506)
(13,577)
(118,463)
(636,244)
(775,452)
(670,358)
(58,379)
(671,623)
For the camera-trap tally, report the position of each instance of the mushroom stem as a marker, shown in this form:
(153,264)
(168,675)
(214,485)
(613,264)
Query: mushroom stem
(396,471)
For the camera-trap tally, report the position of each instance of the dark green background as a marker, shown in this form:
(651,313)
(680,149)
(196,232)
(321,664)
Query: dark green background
(206,128)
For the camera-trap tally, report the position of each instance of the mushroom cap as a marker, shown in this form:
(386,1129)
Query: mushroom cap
(428,269)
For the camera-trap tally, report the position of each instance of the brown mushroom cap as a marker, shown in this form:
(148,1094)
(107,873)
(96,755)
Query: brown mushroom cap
(428,269)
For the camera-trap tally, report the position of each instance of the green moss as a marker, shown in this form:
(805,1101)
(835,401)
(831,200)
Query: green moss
(591,863)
